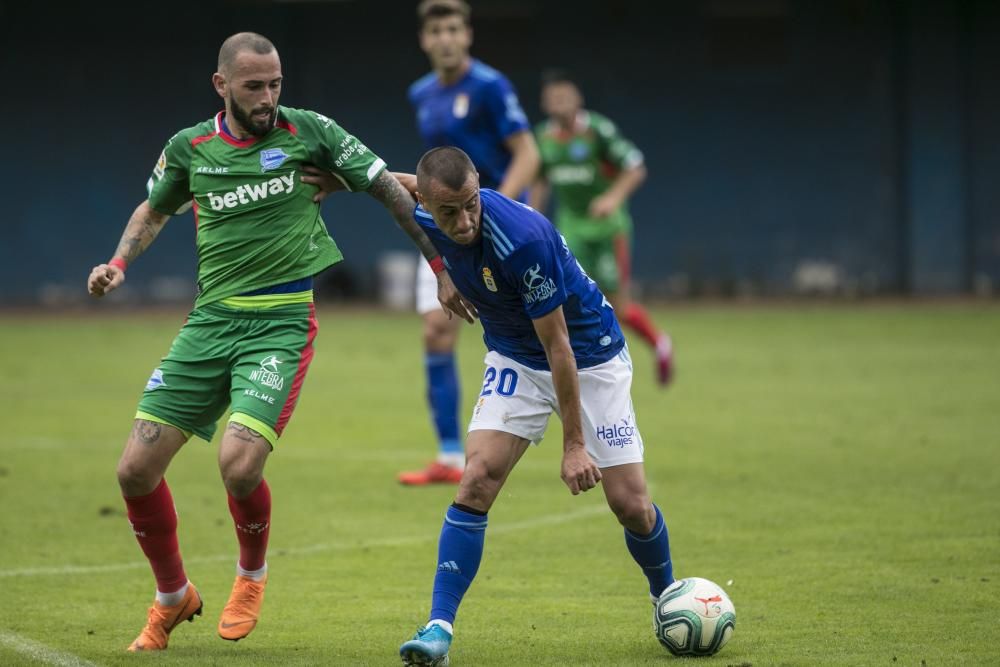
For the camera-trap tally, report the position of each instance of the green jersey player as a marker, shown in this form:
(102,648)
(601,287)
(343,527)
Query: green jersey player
(249,340)
(592,170)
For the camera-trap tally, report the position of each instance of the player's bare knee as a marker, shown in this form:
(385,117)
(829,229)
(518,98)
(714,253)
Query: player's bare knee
(135,478)
(478,488)
(439,333)
(635,513)
(438,340)
(241,479)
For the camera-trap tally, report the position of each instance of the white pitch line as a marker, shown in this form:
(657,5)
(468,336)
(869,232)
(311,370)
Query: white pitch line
(41,652)
(513,527)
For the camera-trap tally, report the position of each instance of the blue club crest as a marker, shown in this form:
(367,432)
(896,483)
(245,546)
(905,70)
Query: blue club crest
(579,150)
(272,158)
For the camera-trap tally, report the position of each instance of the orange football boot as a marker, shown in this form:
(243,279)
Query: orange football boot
(434,473)
(162,619)
(239,617)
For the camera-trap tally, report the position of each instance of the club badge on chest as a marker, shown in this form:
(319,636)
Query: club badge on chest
(460,107)
(491,284)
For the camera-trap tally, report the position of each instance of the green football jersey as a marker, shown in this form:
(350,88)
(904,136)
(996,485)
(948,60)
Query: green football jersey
(256,222)
(580,165)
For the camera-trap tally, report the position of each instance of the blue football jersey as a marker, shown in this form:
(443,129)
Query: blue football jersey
(520,269)
(476,113)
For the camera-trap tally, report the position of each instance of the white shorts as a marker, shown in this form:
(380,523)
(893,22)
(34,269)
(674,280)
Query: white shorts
(517,399)
(427,288)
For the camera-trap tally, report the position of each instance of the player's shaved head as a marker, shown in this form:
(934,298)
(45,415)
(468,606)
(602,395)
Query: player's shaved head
(448,165)
(236,44)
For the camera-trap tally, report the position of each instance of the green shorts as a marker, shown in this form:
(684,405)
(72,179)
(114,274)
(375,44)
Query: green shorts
(252,359)
(606,260)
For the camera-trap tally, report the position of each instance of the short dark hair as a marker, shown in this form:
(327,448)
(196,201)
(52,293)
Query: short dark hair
(436,9)
(448,165)
(554,75)
(242,41)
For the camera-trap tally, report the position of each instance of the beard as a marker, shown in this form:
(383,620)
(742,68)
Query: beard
(257,128)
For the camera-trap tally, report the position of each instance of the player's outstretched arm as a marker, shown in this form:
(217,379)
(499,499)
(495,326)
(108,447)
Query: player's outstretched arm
(400,204)
(142,228)
(579,471)
(408,181)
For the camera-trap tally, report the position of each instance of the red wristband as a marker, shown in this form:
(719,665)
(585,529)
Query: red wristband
(118,262)
(437,265)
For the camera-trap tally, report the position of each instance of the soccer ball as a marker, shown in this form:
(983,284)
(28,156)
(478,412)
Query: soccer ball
(694,617)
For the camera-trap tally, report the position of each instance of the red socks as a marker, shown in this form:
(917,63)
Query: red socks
(252,516)
(154,522)
(638,319)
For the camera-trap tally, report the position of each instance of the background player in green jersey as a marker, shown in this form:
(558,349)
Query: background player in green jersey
(249,340)
(592,170)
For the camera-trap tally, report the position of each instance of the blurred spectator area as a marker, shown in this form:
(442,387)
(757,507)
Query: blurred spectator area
(835,147)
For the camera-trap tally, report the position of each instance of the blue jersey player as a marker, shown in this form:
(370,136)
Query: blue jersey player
(461,102)
(554,345)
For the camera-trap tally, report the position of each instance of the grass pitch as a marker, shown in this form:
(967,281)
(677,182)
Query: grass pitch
(836,468)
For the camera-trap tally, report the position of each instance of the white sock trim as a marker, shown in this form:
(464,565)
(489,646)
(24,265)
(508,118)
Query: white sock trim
(445,625)
(172,599)
(256,575)
(456,460)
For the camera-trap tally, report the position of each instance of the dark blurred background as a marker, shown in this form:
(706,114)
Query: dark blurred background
(845,147)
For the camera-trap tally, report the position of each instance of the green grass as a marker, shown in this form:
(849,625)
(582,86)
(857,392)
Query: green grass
(839,465)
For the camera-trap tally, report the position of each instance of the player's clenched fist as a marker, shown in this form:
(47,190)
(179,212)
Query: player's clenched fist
(104,278)
(579,471)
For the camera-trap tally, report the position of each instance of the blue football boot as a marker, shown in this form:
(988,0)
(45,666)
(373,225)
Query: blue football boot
(428,647)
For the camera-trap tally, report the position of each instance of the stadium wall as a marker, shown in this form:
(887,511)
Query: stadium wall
(848,146)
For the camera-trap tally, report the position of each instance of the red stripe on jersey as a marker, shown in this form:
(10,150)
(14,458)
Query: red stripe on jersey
(623,253)
(609,169)
(285,125)
(198,140)
(237,142)
(300,374)
(233,141)
(194,207)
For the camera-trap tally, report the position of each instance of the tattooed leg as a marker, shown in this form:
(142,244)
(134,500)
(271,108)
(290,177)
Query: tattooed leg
(146,432)
(150,448)
(242,432)
(242,455)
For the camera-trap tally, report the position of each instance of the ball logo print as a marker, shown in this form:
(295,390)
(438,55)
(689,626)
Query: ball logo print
(715,610)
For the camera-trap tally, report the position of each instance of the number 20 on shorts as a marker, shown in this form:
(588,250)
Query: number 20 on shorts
(506,382)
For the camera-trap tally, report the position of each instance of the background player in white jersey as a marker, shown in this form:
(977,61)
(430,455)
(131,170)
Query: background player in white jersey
(462,102)
(554,346)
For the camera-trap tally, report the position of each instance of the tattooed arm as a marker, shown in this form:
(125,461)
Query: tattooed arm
(400,204)
(140,231)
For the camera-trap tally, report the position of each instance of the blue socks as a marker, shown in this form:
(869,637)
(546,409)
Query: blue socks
(460,550)
(442,394)
(652,553)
